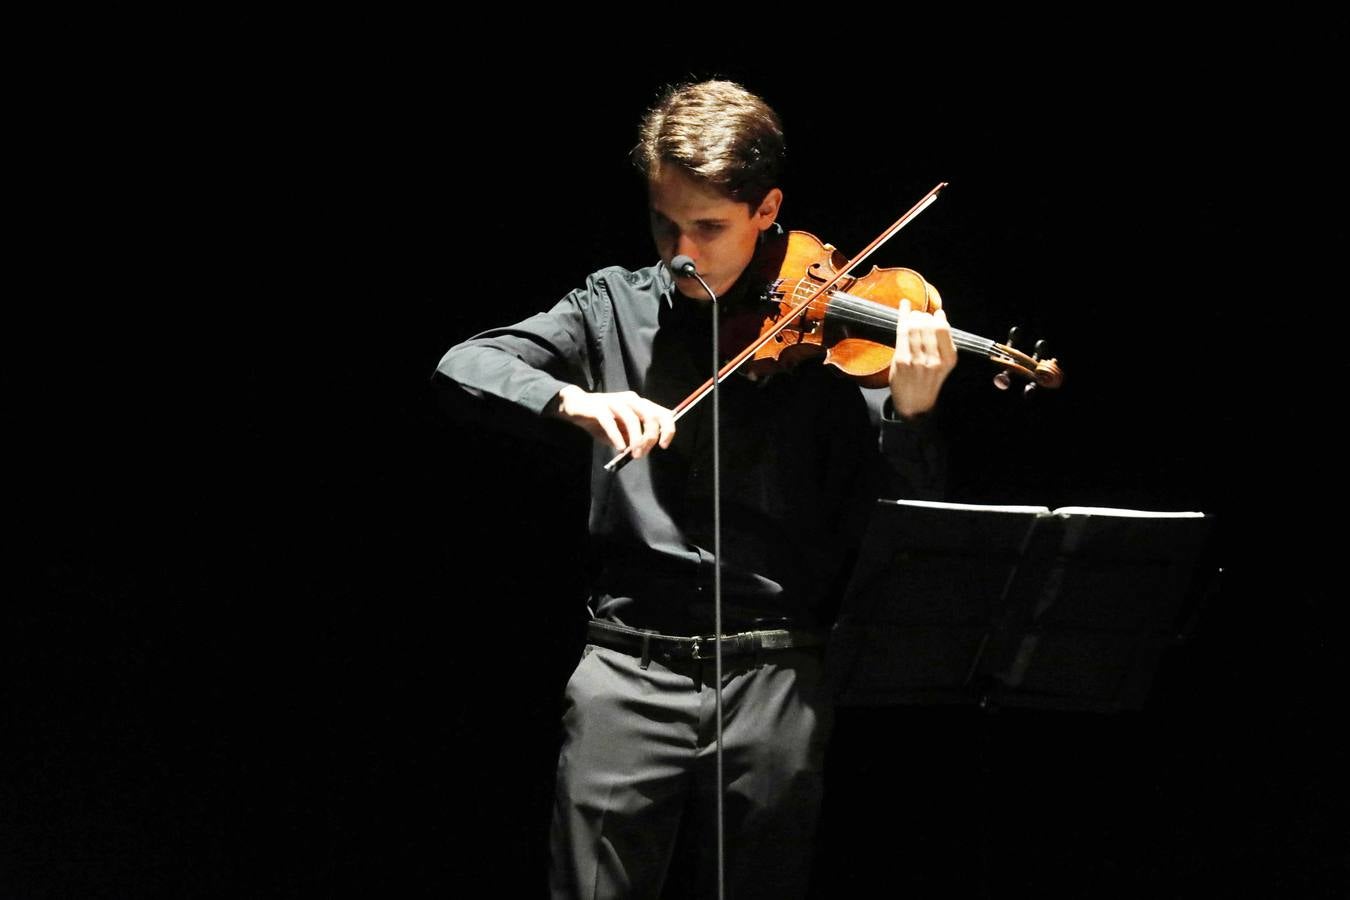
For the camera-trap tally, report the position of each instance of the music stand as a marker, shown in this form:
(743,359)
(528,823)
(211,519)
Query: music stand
(1015,605)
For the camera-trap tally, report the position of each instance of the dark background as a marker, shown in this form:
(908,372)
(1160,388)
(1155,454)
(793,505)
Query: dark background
(281,628)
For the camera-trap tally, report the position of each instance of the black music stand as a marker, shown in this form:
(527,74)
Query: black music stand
(1015,605)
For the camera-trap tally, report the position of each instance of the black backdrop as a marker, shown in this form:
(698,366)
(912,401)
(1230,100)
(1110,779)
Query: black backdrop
(281,628)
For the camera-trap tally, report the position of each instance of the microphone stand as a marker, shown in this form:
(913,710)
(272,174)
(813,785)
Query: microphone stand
(685,266)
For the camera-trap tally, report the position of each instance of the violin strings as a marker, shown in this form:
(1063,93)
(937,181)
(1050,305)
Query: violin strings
(856,310)
(865,312)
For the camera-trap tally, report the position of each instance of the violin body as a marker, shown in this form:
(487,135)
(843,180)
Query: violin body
(861,348)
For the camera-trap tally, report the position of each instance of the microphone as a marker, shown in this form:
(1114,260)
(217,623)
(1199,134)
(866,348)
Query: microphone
(683,265)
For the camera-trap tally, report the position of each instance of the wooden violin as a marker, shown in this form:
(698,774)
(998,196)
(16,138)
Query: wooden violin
(853,322)
(819,306)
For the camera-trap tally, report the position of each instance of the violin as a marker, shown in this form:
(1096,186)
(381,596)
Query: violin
(819,307)
(853,321)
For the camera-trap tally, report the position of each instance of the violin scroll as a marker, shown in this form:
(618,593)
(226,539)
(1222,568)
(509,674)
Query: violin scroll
(1039,372)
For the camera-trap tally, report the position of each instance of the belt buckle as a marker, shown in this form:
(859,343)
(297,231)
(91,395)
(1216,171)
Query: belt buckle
(736,640)
(697,651)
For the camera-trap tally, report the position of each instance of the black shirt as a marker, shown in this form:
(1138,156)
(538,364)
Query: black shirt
(800,464)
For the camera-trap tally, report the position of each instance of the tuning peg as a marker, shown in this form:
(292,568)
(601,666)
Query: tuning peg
(1042,349)
(1028,388)
(1012,336)
(1002,381)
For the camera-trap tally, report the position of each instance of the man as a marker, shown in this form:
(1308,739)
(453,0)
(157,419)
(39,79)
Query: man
(800,472)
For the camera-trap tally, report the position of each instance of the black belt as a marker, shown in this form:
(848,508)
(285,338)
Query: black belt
(648,645)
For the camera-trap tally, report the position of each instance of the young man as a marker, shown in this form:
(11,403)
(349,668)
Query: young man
(800,474)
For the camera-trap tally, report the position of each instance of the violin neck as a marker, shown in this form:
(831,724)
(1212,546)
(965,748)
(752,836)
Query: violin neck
(876,322)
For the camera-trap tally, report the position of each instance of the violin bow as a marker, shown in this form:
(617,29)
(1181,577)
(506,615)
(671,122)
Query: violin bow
(621,458)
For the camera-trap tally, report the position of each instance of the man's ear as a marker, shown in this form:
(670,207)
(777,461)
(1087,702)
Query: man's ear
(768,208)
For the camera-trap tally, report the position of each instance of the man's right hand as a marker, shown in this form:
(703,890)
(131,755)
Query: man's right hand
(624,419)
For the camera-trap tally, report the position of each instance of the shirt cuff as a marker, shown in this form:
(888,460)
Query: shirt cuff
(922,424)
(538,395)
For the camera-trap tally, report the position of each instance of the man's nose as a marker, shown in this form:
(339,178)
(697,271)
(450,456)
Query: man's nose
(685,245)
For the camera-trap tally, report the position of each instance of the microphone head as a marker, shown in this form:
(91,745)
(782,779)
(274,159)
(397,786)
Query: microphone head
(683,265)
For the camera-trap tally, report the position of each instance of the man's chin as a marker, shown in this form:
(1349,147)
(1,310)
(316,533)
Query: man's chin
(691,289)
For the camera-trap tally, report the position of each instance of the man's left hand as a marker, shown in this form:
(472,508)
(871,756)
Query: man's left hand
(924,355)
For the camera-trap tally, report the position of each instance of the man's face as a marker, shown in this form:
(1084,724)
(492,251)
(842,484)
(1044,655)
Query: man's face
(720,235)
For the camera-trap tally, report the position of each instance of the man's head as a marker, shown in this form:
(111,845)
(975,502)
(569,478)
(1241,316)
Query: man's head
(712,154)
(719,133)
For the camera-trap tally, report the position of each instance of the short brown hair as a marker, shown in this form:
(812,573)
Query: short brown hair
(718,132)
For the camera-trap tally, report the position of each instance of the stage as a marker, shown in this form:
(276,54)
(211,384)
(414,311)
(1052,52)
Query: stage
(256,643)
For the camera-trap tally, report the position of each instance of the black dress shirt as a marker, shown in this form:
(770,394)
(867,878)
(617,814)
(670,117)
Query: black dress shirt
(801,469)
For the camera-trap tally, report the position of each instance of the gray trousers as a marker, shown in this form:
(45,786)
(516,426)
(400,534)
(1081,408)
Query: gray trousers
(638,763)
